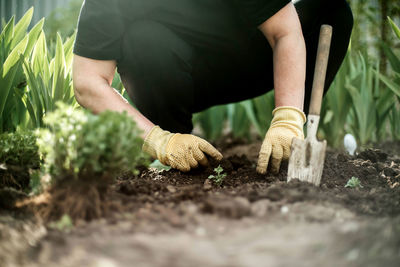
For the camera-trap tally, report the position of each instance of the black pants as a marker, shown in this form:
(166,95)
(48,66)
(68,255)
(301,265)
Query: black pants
(171,72)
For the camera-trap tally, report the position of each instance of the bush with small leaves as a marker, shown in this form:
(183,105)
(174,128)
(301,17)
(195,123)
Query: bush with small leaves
(18,154)
(82,145)
(83,153)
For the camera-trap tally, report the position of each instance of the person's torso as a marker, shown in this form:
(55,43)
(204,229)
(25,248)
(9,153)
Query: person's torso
(195,19)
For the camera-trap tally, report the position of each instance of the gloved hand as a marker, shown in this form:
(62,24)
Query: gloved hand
(180,151)
(286,124)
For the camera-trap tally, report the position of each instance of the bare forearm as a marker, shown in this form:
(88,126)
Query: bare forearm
(289,70)
(284,34)
(99,97)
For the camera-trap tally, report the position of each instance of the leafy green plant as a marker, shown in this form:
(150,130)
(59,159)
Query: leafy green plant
(371,104)
(18,156)
(83,153)
(335,108)
(219,177)
(354,182)
(48,81)
(81,145)
(19,149)
(14,43)
(393,83)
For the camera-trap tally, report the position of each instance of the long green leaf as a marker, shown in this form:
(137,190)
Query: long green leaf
(33,37)
(21,27)
(395,28)
(8,72)
(390,84)
(5,40)
(59,71)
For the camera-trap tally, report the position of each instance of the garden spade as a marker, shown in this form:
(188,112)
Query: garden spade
(306,161)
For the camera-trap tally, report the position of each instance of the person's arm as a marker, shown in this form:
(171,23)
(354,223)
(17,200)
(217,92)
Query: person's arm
(92,84)
(283,32)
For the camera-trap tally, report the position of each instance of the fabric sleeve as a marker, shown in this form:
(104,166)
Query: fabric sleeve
(100,30)
(256,12)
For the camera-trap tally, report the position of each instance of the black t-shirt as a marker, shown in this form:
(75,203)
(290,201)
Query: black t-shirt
(102,23)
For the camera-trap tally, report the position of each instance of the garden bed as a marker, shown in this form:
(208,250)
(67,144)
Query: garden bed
(167,218)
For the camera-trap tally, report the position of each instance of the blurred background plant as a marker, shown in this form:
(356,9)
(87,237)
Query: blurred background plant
(62,21)
(31,79)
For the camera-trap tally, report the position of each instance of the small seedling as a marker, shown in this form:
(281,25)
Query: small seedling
(159,166)
(354,182)
(219,177)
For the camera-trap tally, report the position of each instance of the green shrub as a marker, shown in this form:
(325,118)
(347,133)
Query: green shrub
(19,149)
(18,155)
(82,145)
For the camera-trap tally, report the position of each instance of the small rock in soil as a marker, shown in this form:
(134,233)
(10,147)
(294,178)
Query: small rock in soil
(207,185)
(171,189)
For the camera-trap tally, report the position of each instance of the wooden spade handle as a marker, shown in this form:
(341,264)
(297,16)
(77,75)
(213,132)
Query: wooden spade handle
(321,65)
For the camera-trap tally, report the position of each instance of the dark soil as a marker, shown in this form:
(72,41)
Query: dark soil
(169,218)
(14,176)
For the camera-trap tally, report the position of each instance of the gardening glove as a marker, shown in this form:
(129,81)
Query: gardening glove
(286,124)
(180,151)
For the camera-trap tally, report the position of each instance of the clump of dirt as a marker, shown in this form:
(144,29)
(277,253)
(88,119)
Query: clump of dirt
(80,199)
(9,197)
(14,176)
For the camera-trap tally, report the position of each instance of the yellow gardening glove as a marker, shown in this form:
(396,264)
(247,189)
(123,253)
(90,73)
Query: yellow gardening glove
(286,124)
(180,151)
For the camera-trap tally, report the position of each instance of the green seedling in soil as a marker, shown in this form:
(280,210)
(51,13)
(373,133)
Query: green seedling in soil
(219,177)
(354,182)
(159,166)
